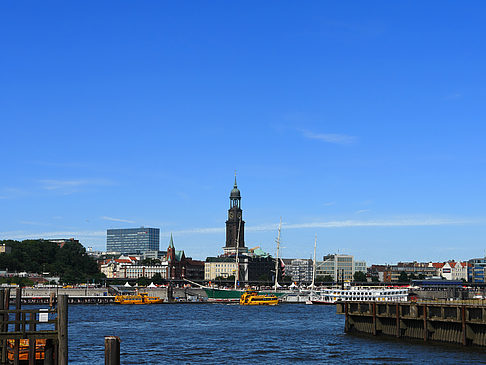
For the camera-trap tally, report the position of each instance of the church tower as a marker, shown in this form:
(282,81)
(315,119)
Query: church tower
(235,225)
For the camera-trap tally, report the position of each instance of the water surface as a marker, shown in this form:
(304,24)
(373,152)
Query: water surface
(219,333)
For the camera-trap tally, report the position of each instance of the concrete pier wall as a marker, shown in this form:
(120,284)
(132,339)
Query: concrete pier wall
(450,322)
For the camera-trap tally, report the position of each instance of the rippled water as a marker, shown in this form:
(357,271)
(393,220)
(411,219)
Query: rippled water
(218,333)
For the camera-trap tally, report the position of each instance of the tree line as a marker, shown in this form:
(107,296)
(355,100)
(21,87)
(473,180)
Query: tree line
(70,262)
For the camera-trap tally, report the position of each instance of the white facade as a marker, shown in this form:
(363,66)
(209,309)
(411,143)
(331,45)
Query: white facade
(214,269)
(454,270)
(142,271)
(339,267)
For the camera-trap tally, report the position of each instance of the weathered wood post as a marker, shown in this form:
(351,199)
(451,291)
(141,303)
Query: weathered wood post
(374,318)
(4,328)
(2,319)
(346,317)
(49,352)
(18,307)
(32,340)
(463,322)
(112,350)
(397,313)
(62,329)
(426,331)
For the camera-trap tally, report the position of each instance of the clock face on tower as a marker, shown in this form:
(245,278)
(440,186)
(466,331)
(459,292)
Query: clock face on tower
(231,215)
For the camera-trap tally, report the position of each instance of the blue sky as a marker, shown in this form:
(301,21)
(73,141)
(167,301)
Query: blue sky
(361,122)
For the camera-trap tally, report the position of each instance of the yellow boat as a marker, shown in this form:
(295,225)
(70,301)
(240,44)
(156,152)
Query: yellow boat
(251,297)
(142,298)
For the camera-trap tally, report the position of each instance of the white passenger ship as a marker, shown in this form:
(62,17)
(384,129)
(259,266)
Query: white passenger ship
(359,294)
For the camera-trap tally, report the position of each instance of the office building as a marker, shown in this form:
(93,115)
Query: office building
(132,240)
(339,267)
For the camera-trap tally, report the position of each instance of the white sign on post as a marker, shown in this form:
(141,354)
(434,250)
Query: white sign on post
(43,316)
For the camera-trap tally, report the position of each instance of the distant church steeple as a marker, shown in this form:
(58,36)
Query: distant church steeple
(235,225)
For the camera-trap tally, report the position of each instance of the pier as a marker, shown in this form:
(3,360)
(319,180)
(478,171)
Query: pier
(458,322)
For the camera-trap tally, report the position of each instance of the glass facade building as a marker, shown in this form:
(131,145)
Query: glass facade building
(132,240)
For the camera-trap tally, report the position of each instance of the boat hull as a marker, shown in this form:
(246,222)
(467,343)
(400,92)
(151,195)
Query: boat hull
(231,295)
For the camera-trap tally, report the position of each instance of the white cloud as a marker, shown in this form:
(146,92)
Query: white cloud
(399,222)
(116,219)
(361,211)
(51,184)
(21,235)
(329,137)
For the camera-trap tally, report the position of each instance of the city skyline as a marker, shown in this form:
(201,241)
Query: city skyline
(362,123)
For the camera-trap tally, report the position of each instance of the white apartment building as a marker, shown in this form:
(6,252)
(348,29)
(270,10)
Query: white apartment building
(214,269)
(339,267)
(451,270)
(142,271)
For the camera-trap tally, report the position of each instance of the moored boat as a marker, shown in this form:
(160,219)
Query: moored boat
(142,298)
(251,297)
(232,295)
(358,293)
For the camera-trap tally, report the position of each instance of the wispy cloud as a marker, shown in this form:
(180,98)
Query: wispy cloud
(328,204)
(329,137)
(111,219)
(21,235)
(453,96)
(361,211)
(399,222)
(53,184)
(32,223)
(12,193)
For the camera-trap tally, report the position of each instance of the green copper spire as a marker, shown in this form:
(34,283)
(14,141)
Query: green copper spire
(171,243)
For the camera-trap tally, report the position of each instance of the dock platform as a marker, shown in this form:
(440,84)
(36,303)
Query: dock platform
(459,322)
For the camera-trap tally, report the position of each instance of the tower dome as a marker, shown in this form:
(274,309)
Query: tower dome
(235,193)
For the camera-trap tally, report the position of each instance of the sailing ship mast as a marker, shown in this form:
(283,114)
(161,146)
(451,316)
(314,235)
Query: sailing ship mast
(314,264)
(278,248)
(237,274)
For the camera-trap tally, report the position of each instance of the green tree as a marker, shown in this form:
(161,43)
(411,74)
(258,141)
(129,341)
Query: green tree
(403,278)
(143,281)
(359,277)
(324,279)
(157,279)
(70,262)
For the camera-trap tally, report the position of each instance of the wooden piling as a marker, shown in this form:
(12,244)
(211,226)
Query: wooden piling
(18,307)
(112,350)
(62,328)
(463,323)
(5,305)
(32,340)
(49,352)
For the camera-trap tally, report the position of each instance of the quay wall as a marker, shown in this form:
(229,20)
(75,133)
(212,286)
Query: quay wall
(462,322)
(177,293)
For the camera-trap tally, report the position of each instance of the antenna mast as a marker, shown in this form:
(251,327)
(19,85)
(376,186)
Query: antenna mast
(278,248)
(237,274)
(314,264)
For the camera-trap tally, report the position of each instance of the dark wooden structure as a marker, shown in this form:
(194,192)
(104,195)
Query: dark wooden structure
(459,322)
(112,350)
(33,325)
